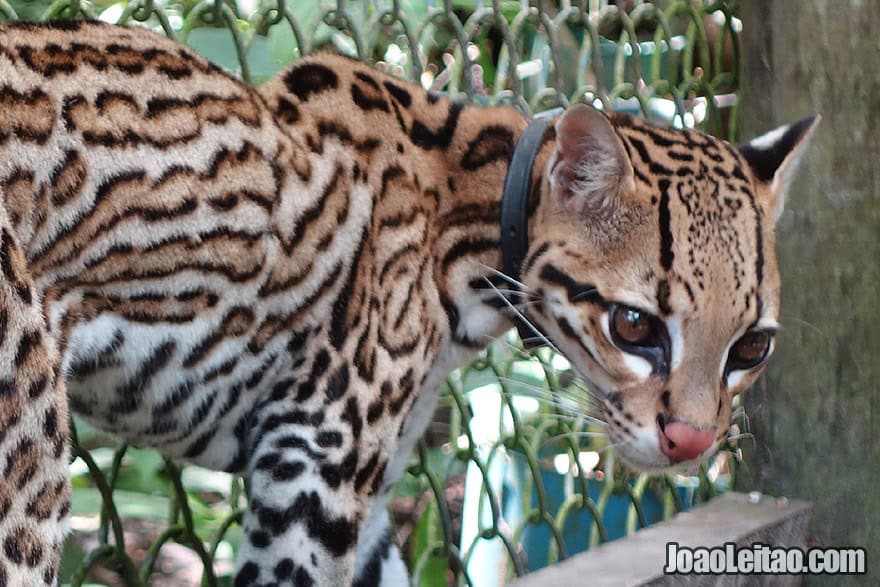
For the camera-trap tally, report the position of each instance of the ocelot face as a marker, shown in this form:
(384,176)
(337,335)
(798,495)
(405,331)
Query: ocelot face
(653,270)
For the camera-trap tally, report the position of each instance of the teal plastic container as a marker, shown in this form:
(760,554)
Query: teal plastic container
(537,538)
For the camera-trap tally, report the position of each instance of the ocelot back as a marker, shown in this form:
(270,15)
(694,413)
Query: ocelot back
(277,280)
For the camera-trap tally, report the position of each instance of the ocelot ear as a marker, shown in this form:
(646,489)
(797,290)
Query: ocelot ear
(591,169)
(774,157)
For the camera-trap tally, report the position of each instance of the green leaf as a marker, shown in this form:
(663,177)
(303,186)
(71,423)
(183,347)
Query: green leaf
(217,46)
(282,47)
(71,558)
(141,471)
(30,9)
(205,480)
(263,66)
(129,504)
(414,12)
(428,533)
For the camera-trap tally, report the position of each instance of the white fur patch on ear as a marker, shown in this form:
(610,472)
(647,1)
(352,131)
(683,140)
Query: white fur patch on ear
(774,157)
(590,166)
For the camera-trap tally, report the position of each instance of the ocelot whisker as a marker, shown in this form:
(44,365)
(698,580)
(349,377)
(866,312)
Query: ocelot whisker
(521,352)
(525,320)
(582,384)
(812,326)
(531,302)
(505,277)
(585,292)
(513,292)
(575,419)
(576,406)
(554,404)
(549,392)
(740,414)
(575,434)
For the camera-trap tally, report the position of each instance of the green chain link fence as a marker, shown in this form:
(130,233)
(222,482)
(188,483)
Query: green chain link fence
(512,474)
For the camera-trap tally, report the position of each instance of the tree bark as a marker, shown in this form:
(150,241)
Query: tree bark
(816,415)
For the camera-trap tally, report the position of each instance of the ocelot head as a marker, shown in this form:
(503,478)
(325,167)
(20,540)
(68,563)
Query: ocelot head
(652,268)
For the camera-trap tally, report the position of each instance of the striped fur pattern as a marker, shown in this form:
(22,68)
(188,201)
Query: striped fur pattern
(276,280)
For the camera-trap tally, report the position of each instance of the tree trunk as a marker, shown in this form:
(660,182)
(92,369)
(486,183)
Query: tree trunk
(816,416)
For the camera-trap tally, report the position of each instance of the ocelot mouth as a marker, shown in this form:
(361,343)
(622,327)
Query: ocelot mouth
(663,444)
(680,441)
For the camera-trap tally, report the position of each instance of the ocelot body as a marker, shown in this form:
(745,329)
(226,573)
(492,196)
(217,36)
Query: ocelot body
(276,280)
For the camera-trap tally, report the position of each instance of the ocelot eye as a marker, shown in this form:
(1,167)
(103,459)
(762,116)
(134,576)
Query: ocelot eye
(632,326)
(750,350)
(640,333)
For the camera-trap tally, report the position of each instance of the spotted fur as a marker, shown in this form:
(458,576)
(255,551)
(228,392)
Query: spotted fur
(275,281)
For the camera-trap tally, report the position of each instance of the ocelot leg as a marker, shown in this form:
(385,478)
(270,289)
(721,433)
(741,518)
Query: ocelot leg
(379,563)
(310,479)
(34,491)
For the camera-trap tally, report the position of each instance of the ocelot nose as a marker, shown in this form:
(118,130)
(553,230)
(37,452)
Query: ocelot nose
(682,442)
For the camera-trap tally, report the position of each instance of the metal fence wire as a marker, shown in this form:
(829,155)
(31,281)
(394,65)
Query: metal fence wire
(509,478)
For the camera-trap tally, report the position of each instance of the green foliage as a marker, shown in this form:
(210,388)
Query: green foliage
(426,554)
(198,508)
(30,9)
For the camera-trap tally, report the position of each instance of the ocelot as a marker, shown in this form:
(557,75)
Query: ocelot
(276,280)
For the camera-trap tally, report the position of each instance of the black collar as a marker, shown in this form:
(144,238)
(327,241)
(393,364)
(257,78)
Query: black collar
(515,199)
(515,206)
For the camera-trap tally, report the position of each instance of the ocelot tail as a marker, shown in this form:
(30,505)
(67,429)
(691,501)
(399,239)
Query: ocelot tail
(276,280)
